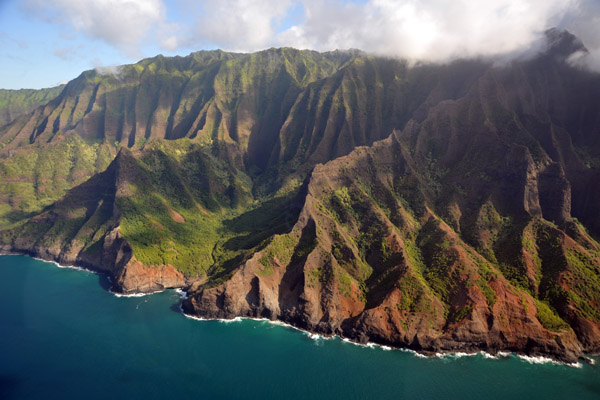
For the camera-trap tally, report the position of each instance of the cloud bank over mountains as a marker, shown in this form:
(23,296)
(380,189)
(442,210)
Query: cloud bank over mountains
(429,30)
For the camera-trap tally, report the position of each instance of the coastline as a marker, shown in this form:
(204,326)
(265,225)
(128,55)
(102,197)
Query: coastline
(531,359)
(427,355)
(443,354)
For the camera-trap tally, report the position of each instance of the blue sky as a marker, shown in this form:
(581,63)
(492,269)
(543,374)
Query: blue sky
(47,42)
(36,53)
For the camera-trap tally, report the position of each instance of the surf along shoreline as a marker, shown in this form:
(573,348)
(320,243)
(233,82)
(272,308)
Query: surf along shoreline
(532,358)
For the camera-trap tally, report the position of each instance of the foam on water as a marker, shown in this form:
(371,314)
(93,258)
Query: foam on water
(182,293)
(458,354)
(369,345)
(415,353)
(77,268)
(546,360)
(318,337)
(194,317)
(314,336)
(65,266)
(500,355)
(187,365)
(228,321)
(132,294)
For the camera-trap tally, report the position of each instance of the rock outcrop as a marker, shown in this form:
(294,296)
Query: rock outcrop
(436,207)
(363,263)
(83,229)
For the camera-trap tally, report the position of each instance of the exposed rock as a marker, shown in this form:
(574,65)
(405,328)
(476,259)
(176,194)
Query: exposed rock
(437,210)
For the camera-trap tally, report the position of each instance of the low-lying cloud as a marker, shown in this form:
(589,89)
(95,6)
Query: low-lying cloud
(433,30)
(429,30)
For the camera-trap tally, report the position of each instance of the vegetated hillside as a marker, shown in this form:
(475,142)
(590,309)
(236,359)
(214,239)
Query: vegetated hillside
(273,114)
(449,207)
(14,103)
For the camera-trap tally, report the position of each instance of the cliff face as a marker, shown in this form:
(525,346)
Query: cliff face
(83,228)
(447,207)
(370,259)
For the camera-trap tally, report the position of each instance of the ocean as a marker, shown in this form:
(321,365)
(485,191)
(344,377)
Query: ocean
(63,335)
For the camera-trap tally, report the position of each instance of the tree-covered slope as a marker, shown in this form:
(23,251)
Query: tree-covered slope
(440,207)
(14,103)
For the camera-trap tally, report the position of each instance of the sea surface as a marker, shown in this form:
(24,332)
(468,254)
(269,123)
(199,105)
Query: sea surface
(63,335)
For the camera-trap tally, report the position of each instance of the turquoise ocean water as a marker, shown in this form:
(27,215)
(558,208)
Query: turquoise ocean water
(64,336)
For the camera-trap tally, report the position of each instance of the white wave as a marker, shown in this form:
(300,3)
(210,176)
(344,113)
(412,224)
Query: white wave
(546,360)
(193,316)
(182,293)
(61,266)
(536,360)
(346,340)
(228,321)
(369,345)
(278,323)
(132,294)
(312,335)
(458,354)
(490,356)
(414,353)
(499,355)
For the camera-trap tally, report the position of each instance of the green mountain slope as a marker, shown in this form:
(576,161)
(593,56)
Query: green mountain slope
(439,207)
(14,103)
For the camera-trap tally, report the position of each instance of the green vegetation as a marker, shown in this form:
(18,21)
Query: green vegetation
(488,292)
(221,149)
(36,177)
(344,283)
(279,250)
(14,103)
(461,313)
(413,295)
(548,317)
(438,257)
(585,283)
(185,209)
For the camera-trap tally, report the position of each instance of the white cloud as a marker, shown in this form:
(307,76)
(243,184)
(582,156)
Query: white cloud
(120,23)
(239,25)
(431,30)
(583,20)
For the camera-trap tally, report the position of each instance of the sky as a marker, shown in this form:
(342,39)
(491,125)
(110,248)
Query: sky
(44,43)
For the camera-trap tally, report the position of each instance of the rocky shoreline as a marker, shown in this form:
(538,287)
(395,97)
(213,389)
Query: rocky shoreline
(115,260)
(541,358)
(430,348)
(427,348)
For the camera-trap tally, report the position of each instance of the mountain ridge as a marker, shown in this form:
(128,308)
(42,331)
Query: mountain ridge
(427,206)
